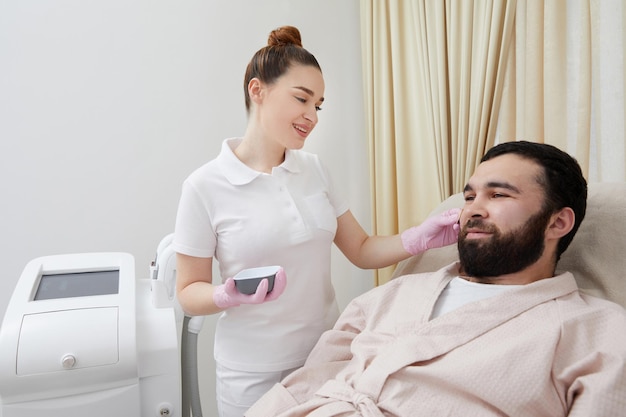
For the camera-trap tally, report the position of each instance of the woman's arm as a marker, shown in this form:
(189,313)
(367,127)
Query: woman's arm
(194,289)
(363,250)
(371,252)
(199,297)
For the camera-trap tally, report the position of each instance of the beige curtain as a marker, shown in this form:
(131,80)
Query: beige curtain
(566,81)
(535,98)
(434,72)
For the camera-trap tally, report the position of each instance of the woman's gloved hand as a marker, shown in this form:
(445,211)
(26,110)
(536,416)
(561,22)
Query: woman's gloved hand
(226,295)
(434,232)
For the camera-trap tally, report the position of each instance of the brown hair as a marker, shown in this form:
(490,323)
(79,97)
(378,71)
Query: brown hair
(284,49)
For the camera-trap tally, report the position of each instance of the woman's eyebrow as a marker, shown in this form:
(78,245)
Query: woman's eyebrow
(308,91)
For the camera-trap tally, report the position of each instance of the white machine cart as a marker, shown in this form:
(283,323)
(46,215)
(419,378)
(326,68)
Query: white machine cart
(82,336)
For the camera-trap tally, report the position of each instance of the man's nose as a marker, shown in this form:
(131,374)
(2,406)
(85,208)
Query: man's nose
(475,208)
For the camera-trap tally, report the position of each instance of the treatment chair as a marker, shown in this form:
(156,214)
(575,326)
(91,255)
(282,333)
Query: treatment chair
(596,256)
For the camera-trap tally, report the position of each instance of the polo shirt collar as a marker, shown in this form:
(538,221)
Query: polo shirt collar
(238,173)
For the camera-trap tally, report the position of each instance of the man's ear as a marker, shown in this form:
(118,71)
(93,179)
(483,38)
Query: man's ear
(255,90)
(561,223)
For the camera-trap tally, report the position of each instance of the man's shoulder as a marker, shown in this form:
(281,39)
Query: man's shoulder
(408,286)
(585,306)
(405,282)
(411,280)
(420,278)
(599,303)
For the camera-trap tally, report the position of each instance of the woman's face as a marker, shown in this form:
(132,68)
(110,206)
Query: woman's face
(287,110)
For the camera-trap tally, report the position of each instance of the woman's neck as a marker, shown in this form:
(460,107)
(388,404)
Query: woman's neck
(259,155)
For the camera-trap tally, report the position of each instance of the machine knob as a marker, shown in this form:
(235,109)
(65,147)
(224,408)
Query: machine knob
(165,410)
(68,361)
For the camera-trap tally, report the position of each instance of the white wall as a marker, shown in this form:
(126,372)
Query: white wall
(106,106)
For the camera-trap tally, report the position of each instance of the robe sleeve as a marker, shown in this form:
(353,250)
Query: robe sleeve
(602,394)
(329,356)
(601,390)
(595,378)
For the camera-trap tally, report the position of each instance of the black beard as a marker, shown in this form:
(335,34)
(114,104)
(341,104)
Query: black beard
(502,254)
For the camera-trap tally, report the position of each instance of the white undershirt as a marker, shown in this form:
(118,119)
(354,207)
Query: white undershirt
(460,291)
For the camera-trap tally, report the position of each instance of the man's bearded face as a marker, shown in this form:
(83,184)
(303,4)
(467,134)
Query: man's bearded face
(502,253)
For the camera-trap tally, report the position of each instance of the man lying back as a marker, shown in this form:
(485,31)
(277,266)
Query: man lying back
(495,334)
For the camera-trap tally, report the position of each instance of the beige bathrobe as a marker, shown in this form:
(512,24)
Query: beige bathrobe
(542,349)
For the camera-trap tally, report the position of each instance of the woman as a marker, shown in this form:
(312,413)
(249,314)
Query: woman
(261,202)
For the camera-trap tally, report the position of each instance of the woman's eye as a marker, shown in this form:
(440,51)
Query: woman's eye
(304,101)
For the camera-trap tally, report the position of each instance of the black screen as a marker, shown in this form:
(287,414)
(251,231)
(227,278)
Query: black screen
(78,284)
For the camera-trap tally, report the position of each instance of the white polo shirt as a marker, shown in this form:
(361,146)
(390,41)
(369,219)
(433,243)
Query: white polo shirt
(244,218)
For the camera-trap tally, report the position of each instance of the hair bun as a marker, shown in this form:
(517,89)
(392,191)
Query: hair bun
(285,35)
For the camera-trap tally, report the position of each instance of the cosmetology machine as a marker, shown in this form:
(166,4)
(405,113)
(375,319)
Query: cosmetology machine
(82,336)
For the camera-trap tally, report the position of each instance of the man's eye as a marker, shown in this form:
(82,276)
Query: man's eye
(468,197)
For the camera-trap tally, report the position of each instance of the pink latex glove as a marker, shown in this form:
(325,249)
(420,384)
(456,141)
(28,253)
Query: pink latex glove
(226,295)
(434,232)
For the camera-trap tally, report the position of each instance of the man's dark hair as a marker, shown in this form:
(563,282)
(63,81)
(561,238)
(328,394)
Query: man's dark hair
(563,182)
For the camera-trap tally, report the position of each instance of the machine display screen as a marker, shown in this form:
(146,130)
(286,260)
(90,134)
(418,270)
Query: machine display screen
(77,284)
